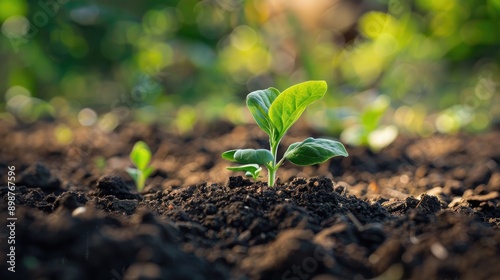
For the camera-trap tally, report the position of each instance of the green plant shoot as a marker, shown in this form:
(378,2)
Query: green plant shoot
(368,132)
(140,157)
(275,113)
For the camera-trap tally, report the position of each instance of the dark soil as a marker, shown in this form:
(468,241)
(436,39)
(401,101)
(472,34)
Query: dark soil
(420,209)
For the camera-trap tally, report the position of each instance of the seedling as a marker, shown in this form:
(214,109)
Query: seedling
(368,131)
(100,163)
(140,157)
(275,113)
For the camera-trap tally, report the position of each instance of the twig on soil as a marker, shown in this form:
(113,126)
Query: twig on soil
(421,200)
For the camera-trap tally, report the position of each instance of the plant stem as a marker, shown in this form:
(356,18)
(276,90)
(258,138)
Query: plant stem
(272,169)
(271,176)
(141,181)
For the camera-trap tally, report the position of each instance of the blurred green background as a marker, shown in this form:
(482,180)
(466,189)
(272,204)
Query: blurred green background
(416,67)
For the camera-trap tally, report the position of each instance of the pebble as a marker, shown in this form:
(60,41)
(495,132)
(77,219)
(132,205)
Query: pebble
(78,211)
(439,251)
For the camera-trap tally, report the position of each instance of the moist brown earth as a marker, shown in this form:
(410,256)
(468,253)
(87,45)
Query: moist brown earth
(420,209)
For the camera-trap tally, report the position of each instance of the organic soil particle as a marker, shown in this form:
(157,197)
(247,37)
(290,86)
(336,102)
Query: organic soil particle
(420,209)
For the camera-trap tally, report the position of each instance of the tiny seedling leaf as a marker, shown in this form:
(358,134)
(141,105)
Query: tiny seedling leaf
(140,155)
(251,170)
(313,151)
(229,155)
(259,102)
(134,173)
(260,156)
(147,172)
(291,103)
(247,167)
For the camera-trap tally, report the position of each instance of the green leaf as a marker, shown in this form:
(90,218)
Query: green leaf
(147,172)
(229,155)
(252,168)
(313,151)
(246,156)
(140,155)
(134,173)
(291,103)
(258,102)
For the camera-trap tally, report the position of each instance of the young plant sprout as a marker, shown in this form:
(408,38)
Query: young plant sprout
(275,113)
(100,163)
(140,157)
(368,132)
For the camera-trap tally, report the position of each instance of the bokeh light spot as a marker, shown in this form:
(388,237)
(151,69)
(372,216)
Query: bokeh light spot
(16,90)
(243,37)
(63,134)
(15,26)
(108,122)
(87,117)
(9,8)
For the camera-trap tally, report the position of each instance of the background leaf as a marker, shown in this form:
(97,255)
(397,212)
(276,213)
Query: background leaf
(373,113)
(258,102)
(291,103)
(313,151)
(140,155)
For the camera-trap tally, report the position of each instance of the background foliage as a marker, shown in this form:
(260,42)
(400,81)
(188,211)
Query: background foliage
(420,66)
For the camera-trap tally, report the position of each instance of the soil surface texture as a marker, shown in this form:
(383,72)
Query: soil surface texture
(419,209)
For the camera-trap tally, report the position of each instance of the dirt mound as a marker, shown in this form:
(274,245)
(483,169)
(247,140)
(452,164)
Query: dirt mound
(421,209)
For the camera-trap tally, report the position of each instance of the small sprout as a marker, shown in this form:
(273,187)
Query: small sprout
(100,163)
(140,157)
(368,132)
(275,113)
